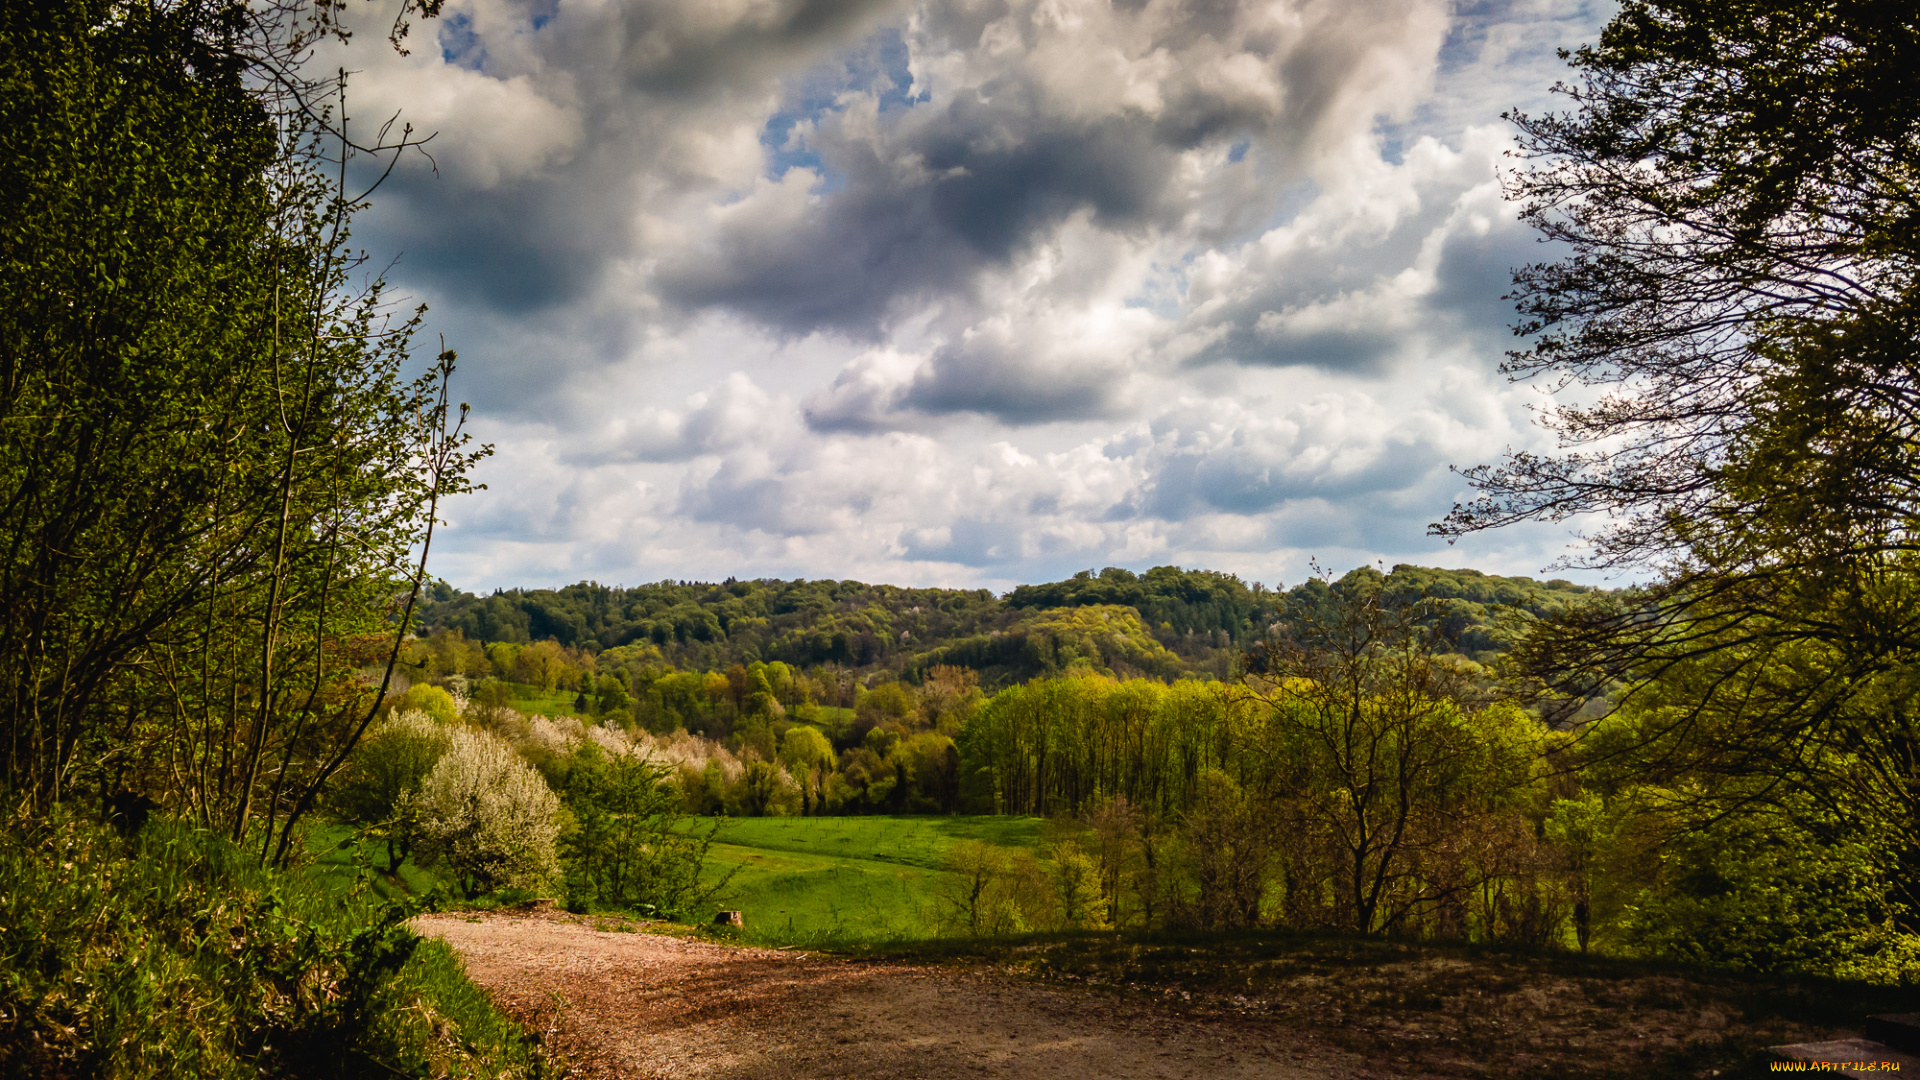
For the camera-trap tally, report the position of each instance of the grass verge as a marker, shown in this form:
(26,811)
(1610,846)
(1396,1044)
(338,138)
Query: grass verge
(174,954)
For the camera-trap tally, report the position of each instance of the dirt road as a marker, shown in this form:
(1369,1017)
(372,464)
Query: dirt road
(646,1005)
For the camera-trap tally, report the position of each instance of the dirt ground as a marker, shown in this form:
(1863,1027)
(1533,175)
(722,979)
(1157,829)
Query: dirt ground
(639,1005)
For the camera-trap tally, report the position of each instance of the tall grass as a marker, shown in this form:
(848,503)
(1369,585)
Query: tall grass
(173,954)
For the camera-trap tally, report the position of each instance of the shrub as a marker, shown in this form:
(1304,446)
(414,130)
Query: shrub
(383,776)
(630,845)
(173,954)
(487,815)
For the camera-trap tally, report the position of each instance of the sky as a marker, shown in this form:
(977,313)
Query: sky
(969,292)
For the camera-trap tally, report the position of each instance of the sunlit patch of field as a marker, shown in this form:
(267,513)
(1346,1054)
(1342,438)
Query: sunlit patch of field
(847,880)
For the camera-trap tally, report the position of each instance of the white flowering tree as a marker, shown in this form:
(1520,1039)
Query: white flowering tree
(487,815)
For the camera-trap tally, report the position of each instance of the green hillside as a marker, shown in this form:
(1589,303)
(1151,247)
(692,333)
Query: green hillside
(1164,623)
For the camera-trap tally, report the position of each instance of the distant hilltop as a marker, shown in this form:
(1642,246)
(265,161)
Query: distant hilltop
(1167,622)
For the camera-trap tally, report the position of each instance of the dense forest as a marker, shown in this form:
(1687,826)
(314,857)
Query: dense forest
(1165,622)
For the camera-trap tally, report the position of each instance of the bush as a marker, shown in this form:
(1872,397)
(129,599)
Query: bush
(488,815)
(173,954)
(990,891)
(432,700)
(383,777)
(630,846)
(1762,892)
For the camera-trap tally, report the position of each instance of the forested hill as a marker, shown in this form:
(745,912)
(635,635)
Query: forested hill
(1165,622)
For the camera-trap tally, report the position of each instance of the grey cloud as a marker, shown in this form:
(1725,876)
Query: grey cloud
(969,541)
(1240,481)
(982,182)
(734,496)
(676,49)
(995,379)
(1341,303)
(516,252)
(923,198)
(630,80)
(1014,374)
(865,397)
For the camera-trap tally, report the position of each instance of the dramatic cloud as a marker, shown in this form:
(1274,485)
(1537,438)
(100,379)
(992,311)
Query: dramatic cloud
(972,291)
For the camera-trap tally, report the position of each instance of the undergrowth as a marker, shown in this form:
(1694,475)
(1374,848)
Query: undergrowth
(174,954)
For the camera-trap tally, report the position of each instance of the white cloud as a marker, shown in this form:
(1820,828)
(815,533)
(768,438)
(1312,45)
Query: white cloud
(961,291)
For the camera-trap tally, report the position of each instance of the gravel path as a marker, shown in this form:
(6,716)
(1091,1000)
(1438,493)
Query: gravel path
(640,1005)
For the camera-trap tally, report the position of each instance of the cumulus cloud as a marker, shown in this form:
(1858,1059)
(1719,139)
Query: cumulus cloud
(962,290)
(1022,116)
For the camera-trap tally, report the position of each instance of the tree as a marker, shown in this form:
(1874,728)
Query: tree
(1379,743)
(488,815)
(973,868)
(215,476)
(1227,848)
(1733,185)
(630,845)
(808,756)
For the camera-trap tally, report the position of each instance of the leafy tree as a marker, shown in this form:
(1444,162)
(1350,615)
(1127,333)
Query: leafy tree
(1076,880)
(630,845)
(432,700)
(1764,891)
(215,475)
(1732,179)
(1227,853)
(378,788)
(809,757)
(1377,740)
(1735,323)
(973,869)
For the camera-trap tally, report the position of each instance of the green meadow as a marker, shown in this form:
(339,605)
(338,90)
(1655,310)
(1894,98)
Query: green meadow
(846,879)
(532,699)
(813,881)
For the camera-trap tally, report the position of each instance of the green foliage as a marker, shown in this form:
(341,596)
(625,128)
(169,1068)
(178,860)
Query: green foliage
(1163,623)
(1765,891)
(1187,601)
(1078,888)
(1733,320)
(380,785)
(216,469)
(174,955)
(434,701)
(630,845)
(1226,851)
(1058,746)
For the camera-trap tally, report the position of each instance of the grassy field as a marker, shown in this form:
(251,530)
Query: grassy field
(856,881)
(532,699)
(847,880)
(336,866)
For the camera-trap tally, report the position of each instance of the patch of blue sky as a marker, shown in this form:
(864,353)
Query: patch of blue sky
(1164,294)
(877,66)
(1498,55)
(460,45)
(1288,202)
